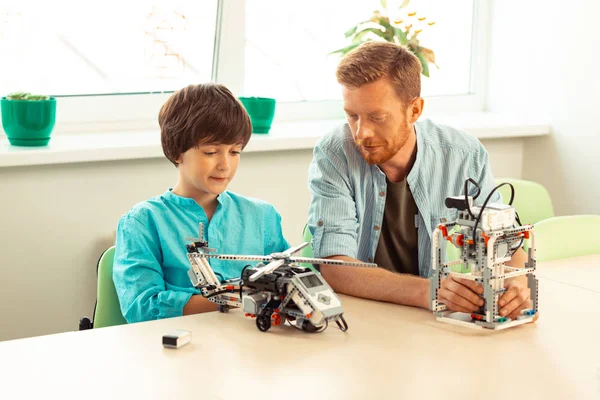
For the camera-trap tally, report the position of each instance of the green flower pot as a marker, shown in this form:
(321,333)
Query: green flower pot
(28,122)
(261,111)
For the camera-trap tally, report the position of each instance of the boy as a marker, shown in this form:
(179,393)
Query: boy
(204,129)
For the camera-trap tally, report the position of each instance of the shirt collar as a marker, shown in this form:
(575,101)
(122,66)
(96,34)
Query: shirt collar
(188,201)
(414,171)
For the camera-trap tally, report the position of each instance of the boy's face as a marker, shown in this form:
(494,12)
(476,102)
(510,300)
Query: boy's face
(208,168)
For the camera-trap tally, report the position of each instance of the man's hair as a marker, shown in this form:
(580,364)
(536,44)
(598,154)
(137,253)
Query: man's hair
(372,61)
(201,114)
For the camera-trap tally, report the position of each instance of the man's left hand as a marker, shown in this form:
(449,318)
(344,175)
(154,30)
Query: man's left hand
(515,299)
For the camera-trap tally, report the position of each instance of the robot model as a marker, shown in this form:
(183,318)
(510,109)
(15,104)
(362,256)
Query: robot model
(276,289)
(486,237)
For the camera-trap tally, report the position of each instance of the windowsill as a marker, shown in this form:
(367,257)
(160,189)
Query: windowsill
(137,144)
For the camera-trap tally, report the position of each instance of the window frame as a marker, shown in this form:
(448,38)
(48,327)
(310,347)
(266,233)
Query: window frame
(140,111)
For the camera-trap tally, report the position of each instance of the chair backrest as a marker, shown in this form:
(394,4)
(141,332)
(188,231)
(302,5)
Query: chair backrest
(108,309)
(307,237)
(307,251)
(568,236)
(532,200)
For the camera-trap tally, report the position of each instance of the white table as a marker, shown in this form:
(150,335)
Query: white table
(583,272)
(389,351)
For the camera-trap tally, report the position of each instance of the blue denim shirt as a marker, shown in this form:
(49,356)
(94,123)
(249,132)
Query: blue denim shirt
(348,194)
(150,267)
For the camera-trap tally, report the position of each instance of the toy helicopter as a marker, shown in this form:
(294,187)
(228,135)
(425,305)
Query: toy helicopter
(274,291)
(485,236)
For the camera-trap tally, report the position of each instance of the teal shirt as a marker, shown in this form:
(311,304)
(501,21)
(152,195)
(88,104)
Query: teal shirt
(150,267)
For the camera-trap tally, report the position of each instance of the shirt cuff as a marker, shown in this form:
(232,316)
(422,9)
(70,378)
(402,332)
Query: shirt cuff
(173,306)
(333,244)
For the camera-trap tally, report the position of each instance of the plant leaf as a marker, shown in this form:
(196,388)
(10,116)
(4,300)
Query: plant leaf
(384,3)
(429,55)
(351,31)
(347,49)
(404,3)
(424,64)
(399,33)
(360,35)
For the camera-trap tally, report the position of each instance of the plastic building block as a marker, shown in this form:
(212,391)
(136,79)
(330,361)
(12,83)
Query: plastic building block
(274,291)
(487,237)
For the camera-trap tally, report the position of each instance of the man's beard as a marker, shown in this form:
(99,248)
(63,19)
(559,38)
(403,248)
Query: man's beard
(387,150)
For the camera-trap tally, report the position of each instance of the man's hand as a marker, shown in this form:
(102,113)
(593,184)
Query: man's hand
(515,299)
(460,294)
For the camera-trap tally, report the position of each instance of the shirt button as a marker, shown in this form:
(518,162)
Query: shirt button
(376,227)
(320,223)
(155,311)
(444,220)
(381,194)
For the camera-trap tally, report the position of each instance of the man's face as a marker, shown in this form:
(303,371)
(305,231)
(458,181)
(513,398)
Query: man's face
(378,120)
(208,168)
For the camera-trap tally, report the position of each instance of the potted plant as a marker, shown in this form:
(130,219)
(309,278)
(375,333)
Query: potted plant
(261,111)
(403,30)
(28,119)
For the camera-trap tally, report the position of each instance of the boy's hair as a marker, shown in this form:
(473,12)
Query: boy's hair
(372,61)
(200,114)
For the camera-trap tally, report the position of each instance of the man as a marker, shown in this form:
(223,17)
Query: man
(379,182)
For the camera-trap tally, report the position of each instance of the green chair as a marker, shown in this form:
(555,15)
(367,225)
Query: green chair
(307,237)
(107,311)
(532,200)
(568,236)
(307,251)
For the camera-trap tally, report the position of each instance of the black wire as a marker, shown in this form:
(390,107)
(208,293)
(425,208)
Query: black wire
(242,279)
(517,218)
(467,195)
(317,331)
(517,248)
(344,325)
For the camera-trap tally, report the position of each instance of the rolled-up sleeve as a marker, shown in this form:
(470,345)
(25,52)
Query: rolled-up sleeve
(332,214)
(138,275)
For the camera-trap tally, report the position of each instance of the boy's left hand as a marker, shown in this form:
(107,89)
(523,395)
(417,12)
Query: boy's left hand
(515,299)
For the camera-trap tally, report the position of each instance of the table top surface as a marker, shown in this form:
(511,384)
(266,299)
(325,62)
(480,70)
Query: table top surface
(389,351)
(583,272)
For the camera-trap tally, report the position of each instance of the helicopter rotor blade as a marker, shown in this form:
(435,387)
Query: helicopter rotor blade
(237,257)
(267,269)
(295,249)
(332,262)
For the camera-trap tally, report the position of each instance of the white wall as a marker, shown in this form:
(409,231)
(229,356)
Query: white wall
(545,62)
(57,219)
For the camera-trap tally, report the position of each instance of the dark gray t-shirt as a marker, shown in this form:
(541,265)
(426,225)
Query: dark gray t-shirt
(397,249)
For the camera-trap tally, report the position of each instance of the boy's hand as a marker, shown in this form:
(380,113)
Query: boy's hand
(460,294)
(515,299)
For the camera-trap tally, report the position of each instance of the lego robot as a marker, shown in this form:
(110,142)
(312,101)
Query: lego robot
(487,237)
(274,291)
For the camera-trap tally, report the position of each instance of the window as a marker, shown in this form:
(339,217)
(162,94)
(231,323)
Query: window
(287,45)
(73,48)
(116,63)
